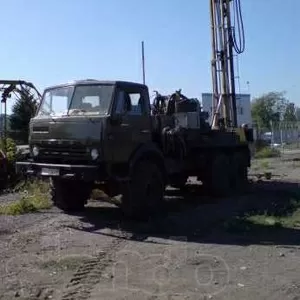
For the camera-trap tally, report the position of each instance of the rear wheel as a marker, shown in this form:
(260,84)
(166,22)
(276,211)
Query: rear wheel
(69,195)
(143,194)
(178,181)
(239,181)
(217,180)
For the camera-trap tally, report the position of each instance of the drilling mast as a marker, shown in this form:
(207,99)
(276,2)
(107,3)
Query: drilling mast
(226,18)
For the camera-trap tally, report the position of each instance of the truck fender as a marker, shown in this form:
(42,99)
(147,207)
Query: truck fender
(148,151)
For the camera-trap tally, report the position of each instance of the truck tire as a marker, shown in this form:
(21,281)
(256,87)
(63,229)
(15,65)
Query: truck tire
(68,195)
(143,195)
(218,180)
(178,181)
(239,172)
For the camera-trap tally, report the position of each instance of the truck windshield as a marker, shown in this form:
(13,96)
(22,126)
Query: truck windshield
(76,100)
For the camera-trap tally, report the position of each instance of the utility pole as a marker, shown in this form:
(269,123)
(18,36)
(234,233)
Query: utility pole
(143,63)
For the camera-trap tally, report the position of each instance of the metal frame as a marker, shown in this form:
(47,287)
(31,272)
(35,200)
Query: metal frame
(16,87)
(222,64)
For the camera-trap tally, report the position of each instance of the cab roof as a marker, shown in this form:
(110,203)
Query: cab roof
(95,81)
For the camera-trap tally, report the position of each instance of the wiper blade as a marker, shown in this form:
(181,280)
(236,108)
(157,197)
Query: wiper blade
(81,112)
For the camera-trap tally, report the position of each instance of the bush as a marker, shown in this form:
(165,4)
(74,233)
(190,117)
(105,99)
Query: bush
(12,156)
(11,149)
(267,152)
(35,196)
(261,144)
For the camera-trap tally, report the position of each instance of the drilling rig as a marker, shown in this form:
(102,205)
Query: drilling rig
(134,151)
(226,20)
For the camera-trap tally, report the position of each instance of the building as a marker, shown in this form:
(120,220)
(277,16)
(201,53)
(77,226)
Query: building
(243,105)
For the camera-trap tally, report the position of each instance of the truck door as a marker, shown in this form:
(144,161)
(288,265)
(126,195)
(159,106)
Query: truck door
(134,128)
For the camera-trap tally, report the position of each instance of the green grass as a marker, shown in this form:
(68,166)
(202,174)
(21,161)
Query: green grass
(289,221)
(280,215)
(35,197)
(267,152)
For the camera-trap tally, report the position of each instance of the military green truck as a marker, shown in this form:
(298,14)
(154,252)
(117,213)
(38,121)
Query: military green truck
(89,132)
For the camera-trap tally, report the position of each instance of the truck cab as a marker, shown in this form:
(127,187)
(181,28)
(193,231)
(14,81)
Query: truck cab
(85,123)
(88,131)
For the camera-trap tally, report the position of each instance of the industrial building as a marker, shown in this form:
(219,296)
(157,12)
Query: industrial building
(243,105)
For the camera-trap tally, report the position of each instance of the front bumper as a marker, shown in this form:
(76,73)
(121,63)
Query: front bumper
(83,172)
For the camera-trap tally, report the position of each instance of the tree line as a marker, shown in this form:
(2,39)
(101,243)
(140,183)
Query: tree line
(273,107)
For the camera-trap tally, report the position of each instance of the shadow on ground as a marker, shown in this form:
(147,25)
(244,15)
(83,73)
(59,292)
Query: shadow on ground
(195,217)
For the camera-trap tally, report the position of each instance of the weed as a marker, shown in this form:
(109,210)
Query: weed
(266,220)
(35,196)
(284,215)
(267,152)
(288,221)
(264,164)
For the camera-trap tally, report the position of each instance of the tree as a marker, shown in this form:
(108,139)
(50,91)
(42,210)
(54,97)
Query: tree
(269,107)
(290,113)
(297,113)
(22,111)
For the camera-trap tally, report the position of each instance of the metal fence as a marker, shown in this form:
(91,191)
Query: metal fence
(285,135)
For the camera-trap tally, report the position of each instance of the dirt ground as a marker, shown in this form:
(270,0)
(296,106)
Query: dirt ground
(198,250)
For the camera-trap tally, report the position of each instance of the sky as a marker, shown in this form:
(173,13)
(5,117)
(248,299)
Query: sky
(49,42)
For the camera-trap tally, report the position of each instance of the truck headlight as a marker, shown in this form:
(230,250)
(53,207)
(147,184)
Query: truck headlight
(35,151)
(94,154)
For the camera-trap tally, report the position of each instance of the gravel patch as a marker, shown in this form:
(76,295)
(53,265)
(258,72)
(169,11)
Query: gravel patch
(186,254)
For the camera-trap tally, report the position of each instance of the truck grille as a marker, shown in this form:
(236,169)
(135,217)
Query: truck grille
(63,153)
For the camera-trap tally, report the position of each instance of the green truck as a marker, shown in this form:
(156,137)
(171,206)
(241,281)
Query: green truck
(90,132)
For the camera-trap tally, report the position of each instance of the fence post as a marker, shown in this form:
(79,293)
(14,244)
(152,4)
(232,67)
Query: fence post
(272,133)
(297,134)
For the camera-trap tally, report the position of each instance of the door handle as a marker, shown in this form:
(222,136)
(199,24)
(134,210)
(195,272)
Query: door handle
(145,131)
(124,125)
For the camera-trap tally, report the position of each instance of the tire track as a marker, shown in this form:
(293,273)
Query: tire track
(89,273)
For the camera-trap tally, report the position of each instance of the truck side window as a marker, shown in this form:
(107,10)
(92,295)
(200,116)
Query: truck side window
(129,103)
(123,103)
(136,104)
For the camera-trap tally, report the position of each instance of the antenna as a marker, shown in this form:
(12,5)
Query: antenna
(143,63)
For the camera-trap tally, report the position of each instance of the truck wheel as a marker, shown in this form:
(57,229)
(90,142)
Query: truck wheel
(239,172)
(218,181)
(178,181)
(69,195)
(143,195)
